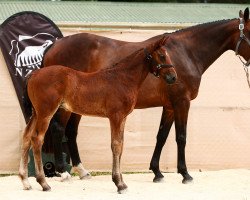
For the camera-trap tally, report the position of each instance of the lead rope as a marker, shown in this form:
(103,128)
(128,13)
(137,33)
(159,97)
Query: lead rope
(247,75)
(243,37)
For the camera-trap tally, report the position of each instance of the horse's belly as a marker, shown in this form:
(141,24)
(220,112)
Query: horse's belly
(82,109)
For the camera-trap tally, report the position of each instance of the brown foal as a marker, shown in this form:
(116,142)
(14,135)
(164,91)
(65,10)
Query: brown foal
(110,93)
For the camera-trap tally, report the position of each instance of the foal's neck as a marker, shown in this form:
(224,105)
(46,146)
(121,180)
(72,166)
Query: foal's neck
(133,69)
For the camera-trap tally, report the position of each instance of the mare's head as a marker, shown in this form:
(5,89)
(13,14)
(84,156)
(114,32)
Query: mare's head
(243,44)
(160,63)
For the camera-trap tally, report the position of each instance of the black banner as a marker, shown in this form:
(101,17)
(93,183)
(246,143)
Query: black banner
(24,38)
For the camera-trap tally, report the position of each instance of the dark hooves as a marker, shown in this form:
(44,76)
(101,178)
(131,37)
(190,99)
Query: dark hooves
(158,179)
(47,189)
(122,189)
(187,179)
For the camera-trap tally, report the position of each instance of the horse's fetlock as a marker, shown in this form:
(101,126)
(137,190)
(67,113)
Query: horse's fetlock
(181,139)
(40,179)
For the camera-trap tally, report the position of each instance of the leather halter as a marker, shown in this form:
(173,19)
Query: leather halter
(242,37)
(156,70)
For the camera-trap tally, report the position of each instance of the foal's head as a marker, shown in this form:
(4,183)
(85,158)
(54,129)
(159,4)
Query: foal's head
(160,63)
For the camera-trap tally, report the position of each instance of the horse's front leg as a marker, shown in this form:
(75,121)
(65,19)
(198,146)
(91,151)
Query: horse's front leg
(181,109)
(167,119)
(71,133)
(117,124)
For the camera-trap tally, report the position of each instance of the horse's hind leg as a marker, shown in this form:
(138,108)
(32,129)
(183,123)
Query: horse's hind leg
(167,119)
(23,168)
(117,134)
(37,142)
(58,124)
(71,133)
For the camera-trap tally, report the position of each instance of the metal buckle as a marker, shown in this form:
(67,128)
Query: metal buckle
(241,27)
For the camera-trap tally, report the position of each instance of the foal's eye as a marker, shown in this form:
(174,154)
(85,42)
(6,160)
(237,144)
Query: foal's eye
(162,56)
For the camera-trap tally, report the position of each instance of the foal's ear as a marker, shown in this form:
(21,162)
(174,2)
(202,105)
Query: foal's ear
(163,40)
(246,14)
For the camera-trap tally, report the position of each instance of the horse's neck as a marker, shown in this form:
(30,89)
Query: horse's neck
(203,44)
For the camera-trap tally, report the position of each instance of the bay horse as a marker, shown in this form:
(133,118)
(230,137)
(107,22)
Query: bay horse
(192,51)
(110,93)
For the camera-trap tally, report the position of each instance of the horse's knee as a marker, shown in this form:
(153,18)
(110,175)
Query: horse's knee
(181,139)
(116,146)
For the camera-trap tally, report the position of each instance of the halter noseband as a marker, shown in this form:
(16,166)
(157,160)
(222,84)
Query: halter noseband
(242,37)
(158,67)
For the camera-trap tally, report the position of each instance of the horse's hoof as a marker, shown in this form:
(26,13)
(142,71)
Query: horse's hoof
(158,179)
(122,189)
(65,176)
(187,180)
(86,176)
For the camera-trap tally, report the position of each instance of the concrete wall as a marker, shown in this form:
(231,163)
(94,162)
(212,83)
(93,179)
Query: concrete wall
(218,125)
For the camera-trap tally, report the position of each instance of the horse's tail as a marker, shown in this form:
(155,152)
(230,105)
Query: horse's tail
(27,105)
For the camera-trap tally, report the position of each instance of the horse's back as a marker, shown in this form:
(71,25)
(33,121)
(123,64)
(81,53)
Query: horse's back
(84,52)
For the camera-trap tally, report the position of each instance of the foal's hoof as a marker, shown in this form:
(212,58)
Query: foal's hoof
(188,179)
(27,187)
(122,189)
(47,188)
(158,179)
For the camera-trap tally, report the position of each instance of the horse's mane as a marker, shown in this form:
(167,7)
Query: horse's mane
(198,26)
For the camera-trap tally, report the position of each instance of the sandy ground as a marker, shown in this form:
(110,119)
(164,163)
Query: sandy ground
(214,185)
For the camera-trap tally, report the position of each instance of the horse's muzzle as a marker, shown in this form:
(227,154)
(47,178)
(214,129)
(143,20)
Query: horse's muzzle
(170,78)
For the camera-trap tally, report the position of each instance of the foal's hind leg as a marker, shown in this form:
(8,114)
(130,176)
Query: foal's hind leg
(71,133)
(23,168)
(117,134)
(167,119)
(37,142)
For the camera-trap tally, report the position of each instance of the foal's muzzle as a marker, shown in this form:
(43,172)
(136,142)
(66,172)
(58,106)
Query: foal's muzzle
(170,78)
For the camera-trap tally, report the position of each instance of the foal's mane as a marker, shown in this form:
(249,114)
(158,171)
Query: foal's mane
(127,59)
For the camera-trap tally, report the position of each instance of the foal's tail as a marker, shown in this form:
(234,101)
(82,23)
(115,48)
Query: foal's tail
(27,105)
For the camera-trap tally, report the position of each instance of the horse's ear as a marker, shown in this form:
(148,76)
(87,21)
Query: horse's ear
(246,14)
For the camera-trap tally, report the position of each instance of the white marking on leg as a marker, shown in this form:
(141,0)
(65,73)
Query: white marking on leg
(83,173)
(65,176)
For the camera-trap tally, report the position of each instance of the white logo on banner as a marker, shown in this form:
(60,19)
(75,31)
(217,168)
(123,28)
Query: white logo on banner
(31,57)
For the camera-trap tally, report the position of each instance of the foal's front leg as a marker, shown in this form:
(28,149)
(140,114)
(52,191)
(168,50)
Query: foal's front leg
(117,134)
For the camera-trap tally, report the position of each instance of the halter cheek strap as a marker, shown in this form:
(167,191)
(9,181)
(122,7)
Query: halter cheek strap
(155,69)
(242,37)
